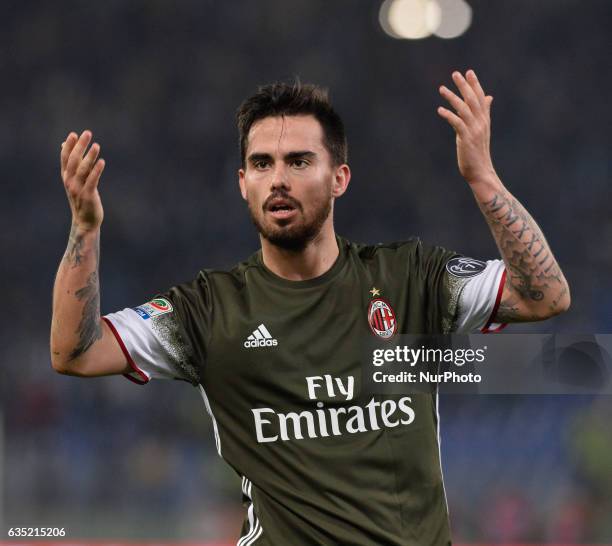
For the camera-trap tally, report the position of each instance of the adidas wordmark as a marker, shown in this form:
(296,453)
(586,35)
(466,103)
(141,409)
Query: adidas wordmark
(260,338)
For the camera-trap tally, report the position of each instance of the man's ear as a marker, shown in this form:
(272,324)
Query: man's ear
(342,177)
(242,184)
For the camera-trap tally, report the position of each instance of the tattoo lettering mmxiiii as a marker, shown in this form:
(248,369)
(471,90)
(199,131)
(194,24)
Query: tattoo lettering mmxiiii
(74,251)
(533,272)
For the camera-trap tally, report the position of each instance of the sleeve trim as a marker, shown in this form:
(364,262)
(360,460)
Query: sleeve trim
(143,377)
(497,328)
(500,289)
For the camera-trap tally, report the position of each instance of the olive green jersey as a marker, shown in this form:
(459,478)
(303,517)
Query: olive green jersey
(278,365)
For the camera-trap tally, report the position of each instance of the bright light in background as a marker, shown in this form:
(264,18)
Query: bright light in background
(410,19)
(415,19)
(456,18)
(383,18)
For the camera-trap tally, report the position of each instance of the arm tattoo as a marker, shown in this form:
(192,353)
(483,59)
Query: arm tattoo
(74,252)
(89,329)
(533,272)
(508,310)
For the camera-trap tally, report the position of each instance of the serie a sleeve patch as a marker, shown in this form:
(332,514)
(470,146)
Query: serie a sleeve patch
(154,308)
(148,339)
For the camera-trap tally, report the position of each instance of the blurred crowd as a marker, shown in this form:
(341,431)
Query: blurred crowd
(158,82)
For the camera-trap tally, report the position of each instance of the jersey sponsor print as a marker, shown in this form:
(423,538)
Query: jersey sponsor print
(278,365)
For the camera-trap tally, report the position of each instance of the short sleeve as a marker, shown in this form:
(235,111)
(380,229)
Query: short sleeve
(480,294)
(441,289)
(162,338)
(463,293)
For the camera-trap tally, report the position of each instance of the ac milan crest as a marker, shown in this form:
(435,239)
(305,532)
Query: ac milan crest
(382,318)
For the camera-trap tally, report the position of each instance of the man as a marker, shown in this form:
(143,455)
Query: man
(273,344)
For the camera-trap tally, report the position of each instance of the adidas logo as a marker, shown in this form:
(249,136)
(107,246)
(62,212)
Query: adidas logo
(260,338)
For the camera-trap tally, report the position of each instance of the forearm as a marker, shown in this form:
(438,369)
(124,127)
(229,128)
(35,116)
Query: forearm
(75,324)
(533,274)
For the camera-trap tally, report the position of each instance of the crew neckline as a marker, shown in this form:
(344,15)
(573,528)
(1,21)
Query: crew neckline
(315,281)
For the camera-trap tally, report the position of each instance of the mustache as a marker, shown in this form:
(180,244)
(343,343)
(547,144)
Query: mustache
(281,195)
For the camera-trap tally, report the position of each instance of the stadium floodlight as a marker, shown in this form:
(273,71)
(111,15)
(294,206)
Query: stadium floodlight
(408,19)
(456,17)
(416,19)
(383,18)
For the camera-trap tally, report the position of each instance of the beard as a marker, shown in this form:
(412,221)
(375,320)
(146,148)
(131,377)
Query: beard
(297,232)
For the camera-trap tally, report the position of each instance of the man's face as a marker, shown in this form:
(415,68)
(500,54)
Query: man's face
(288,180)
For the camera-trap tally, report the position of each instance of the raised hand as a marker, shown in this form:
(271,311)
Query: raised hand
(81,170)
(472,124)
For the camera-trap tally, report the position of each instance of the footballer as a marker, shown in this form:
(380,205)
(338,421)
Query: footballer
(273,345)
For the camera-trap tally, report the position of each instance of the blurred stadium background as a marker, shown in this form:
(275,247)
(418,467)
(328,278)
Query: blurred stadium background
(158,83)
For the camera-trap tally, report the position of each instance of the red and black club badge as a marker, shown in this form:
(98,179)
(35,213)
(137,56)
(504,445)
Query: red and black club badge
(381,318)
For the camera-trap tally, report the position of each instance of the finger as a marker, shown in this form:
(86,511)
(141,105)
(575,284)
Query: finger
(473,81)
(460,107)
(94,176)
(88,161)
(489,100)
(453,119)
(76,155)
(467,92)
(67,147)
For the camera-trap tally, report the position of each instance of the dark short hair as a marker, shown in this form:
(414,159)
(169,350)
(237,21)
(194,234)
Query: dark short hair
(293,99)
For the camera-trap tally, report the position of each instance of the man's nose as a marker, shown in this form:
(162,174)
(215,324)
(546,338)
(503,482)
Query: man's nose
(280,178)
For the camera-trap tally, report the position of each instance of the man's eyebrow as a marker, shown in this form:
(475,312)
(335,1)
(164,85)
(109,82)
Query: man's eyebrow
(259,157)
(300,154)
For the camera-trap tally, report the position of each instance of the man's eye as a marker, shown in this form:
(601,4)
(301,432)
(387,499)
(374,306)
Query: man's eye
(300,163)
(260,164)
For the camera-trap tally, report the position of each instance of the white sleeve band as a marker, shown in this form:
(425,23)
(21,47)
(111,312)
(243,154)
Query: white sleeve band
(479,299)
(142,348)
